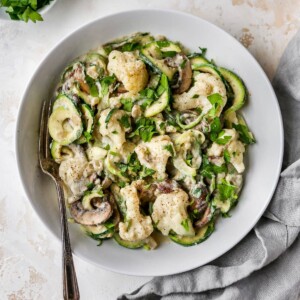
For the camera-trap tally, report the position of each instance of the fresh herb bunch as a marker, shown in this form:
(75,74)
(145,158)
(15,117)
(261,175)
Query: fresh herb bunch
(24,10)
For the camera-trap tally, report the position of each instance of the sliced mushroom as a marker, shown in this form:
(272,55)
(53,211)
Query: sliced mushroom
(199,203)
(116,214)
(91,217)
(166,187)
(184,73)
(185,78)
(205,218)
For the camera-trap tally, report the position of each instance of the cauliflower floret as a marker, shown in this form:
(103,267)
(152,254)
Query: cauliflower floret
(234,147)
(76,172)
(113,129)
(236,150)
(128,69)
(137,227)
(155,154)
(205,85)
(170,213)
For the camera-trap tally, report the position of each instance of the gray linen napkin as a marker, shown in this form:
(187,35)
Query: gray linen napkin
(265,264)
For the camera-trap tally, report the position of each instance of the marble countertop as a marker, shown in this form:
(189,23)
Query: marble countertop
(30,258)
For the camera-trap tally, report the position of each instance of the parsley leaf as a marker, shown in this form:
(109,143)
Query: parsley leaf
(197,192)
(127,104)
(209,169)
(105,83)
(226,190)
(216,101)
(130,47)
(227,156)
(162,44)
(148,93)
(125,121)
(170,149)
(145,128)
(146,172)
(185,224)
(24,10)
(245,135)
(92,86)
(222,138)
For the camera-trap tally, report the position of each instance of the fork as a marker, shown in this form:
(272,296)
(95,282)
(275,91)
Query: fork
(50,167)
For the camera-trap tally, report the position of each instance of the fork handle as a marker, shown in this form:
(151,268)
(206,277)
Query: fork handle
(70,285)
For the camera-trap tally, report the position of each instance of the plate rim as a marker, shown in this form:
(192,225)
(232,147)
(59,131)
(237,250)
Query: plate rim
(169,11)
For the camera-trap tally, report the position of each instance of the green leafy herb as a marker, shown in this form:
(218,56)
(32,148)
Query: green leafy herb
(24,10)
(216,126)
(162,44)
(245,135)
(145,128)
(121,184)
(226,191)
(227,156)
(127,104)
(148,93)
(222,138)
(189,159)
(146,172)
(202,51)
(195,96)
(185,224)
(125,121)
(88,136)
(146,103)
(105,82)
(170,149)
(92,85)
(197,192)
(109,115)
(113,153)
(130,47)
(209,169)
(216,101)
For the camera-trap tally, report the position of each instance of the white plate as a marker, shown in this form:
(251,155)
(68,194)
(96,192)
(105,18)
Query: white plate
(263,159)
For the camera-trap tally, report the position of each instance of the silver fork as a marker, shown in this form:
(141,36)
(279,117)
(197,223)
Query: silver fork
(50,167)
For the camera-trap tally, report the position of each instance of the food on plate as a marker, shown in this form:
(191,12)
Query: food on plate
(149,139)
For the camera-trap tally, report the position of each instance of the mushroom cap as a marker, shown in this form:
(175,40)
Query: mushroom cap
(185,79)
(91,217)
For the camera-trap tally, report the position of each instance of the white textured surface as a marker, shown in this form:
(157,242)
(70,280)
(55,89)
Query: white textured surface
(30,259)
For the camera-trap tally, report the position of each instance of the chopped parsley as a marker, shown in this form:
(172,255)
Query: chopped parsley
(170,149)
(92,86)
(125,121)
(127,104)
(185,224)
(145,128)
(223,139)
(146,172)
(209,169)
(226,190)
(216,101)
(245,135)
(105,82)
(227,156)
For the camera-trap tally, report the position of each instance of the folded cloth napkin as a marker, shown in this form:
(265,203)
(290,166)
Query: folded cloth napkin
(265,264)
